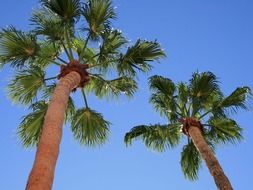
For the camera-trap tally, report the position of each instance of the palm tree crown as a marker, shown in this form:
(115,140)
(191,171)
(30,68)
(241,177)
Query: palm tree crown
(201,102)
(65,33)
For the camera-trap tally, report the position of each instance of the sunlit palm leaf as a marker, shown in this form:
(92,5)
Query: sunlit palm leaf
(48,24)
(89,127)
(237,99)
(30,127)
(157,137)
(183,98)
(203,86)
(112,88)
(17,47)
(224,130)
(68,10)
(112,41)
(98,14)
(138,56)
(190,161)
(89,53)
(24,87)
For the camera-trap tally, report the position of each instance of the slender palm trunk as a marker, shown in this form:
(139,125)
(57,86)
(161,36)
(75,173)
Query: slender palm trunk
(212,163)
(42,174)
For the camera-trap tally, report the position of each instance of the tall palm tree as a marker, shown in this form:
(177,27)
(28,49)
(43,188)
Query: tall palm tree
(198,111)
(78,38)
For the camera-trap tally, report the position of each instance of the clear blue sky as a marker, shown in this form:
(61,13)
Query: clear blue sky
(212,35)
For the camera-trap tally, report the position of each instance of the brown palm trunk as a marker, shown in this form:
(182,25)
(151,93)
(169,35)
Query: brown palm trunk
(212,163)
(42,174)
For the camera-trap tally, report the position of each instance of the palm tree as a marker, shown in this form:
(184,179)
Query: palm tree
(79,39)
(198,111)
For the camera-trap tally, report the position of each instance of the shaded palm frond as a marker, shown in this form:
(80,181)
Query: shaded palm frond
(161,85)
(24,87)
(98,14)
(183,99)
(224,130)
(68,10)
(112,88)
(17,47)
(190,161)
(30,127)
(89,127)
(157,137)
(138,56)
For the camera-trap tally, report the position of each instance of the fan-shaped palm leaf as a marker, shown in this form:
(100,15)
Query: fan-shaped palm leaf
(157,137)
(112,88)
(190,161)
(89,127)
(25,85)
(98,14)
(203,87)
(161,85)
(237,99)
(30,127)
(224,130)
(17,47)
(47,24)
(138,56)
(68,10)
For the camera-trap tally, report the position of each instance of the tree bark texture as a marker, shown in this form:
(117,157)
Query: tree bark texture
(212,163)
(42,173)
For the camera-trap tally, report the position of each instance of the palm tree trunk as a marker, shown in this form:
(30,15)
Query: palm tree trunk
(212,163)
(42,174)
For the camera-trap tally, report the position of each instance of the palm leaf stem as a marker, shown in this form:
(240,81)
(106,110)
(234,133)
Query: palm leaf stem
(66,50)
(84,47)
(203,115)
(63,61)
(50,78)
(85,99)
(67,36)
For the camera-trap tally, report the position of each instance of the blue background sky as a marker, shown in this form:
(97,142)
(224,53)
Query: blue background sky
(212,35)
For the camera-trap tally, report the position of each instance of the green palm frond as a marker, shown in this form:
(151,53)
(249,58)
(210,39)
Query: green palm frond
(166,106)
(17,47)
(68,10)
(163,98)
(157,137)
(112,88)
(183,99)
(161,85)
(138,56)
(48,53)
(190,161)
(112,40)
(89,127)
(89,53)
(30,127)
(203,86)
(24,87)
(237,99)
(98,14)
(47,24)
(224,130)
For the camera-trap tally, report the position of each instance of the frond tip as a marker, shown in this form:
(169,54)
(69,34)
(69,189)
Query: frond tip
(89,127)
